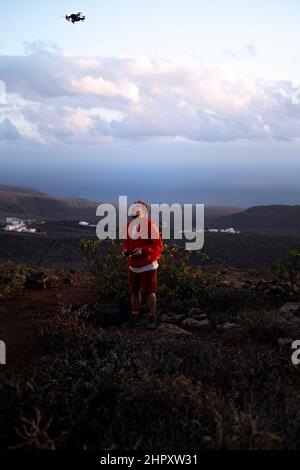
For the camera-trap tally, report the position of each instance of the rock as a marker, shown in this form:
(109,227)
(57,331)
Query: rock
(179,306)
(112,315)
(224,283)
(207,440)
(230,326)
(170,313)
(172,318)
(40,281)
(195,312)
(50,282)
(290,310)
(35,281)
(238,285)
(165,318)
(284,342)
(191,323)
(200,317)
(168,328)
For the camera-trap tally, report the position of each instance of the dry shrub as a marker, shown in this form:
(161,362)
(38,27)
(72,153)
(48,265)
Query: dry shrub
(34,432)
(99,390)
(13,289)
(15,276)
(264,326)
(67,321)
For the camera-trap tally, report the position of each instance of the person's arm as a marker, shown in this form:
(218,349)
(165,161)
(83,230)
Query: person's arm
(155,243)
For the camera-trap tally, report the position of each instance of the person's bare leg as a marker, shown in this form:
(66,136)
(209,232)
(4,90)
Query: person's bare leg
(153,320)
(152,304)
(136,299)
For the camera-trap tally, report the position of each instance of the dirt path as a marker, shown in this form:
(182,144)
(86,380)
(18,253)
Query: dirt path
(20,316)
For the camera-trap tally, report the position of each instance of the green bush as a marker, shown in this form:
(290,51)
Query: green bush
(289,268)
(108,267)
(178,281)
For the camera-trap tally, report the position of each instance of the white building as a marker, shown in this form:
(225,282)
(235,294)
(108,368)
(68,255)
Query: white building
(230,230)
(13,221)
(17,225)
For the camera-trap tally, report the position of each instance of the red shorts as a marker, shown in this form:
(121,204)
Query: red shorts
(145,282)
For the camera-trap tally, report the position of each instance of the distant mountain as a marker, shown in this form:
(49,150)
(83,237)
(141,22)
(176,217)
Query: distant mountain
(213,212)
(18,189)
(274,218)
(29,203)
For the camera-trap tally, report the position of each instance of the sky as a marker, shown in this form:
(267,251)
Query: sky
(170,101)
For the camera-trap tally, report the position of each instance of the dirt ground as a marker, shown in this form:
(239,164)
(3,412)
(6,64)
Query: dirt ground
(21,319)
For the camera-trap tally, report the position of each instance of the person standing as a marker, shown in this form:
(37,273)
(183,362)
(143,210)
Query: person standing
(142,246)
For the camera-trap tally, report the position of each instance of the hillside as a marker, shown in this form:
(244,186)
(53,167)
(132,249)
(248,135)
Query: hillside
(213,212)
(275,218)
(21,202)
(19,189)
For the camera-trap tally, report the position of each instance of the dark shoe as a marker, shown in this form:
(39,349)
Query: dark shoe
(153,322)
(134,320)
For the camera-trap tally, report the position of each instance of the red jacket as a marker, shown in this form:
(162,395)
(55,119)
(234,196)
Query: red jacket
(152,246)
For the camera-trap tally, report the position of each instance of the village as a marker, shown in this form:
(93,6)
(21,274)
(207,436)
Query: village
(224,230)
(14,224)
(18,225)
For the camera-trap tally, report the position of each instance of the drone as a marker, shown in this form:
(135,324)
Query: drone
(75,17)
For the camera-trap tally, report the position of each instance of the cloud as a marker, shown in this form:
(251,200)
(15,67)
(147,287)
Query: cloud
(31,47)
(53,97)
(100,87)
(2,93)
(241,53)
(8,131)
